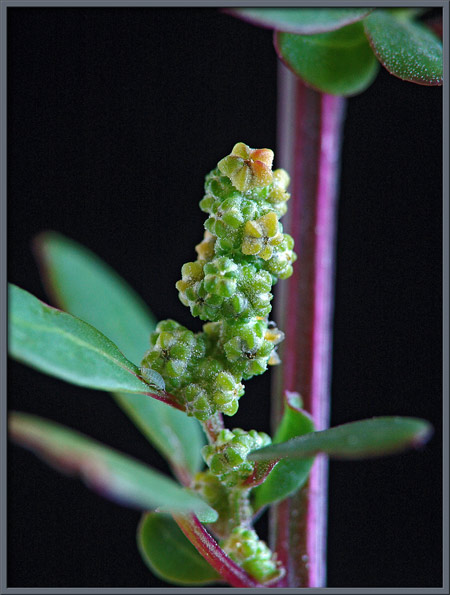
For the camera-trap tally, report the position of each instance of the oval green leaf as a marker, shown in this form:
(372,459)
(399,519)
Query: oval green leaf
(169,554)
(339,62)
(287,476)
(357,440)
(105,470)
(305,21)
(61,345)
(107,302)
(407,49)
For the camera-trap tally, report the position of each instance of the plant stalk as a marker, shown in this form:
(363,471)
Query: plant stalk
(308,147)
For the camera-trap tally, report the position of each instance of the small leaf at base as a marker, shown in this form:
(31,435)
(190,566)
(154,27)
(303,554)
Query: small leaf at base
(169,554)
(288,476)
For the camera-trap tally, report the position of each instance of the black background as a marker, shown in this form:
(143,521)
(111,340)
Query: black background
(115,116)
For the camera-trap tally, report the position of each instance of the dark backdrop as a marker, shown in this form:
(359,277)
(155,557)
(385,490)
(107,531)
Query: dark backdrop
(115,116)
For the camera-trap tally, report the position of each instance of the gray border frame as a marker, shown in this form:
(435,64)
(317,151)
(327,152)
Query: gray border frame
(4,4)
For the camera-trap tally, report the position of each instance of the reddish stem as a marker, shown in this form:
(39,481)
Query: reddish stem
(309,146)
(165,398)
(213,426)
(213,553)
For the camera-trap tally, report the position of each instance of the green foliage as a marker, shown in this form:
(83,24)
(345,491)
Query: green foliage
(374,437)
(169,554)
(66,347)
(328,47)
(305,21)
(107,302)
(340,62)
(287,476)
(407,49)
(114,475)
(103,299)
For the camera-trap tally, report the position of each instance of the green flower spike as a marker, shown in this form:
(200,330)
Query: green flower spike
(246,549)
(227,458)
(247,168)
(261,236)
(243,253)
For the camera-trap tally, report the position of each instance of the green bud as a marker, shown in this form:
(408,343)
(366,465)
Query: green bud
(227,458)
(253,555)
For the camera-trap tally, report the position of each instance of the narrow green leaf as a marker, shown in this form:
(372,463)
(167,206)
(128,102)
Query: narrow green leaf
(83,285)
(287,476)
(105,470)
(407,49)
(107,302)
(357,440)
(61,345)
(177,437)
(301,20)
(339,62)
(169,554)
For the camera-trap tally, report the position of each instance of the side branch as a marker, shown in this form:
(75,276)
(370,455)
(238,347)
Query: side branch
(213,553)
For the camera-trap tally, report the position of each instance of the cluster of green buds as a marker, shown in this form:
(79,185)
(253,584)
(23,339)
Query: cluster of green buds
(227,457)
(243,253)
(253,555)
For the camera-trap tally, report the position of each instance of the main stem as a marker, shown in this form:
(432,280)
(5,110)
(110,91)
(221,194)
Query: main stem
(308,147)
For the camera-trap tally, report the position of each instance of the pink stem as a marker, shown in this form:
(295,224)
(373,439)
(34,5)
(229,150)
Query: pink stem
(213,426)
(309,147)
(213,553)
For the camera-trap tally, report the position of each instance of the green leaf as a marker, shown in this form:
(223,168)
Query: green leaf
(84,285)
(177,437)
(61,345)
(169,554)
(301,20)
(357,440)
(105,470)
(287,476)
(107,302)
(407,49)
(339,62)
